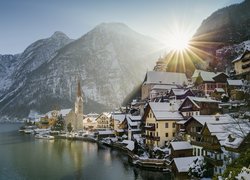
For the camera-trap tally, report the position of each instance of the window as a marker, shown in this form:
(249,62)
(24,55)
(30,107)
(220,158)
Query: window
(157,134)
(166,134)
(166,125)
(156,125)
(173,134)
(173,125)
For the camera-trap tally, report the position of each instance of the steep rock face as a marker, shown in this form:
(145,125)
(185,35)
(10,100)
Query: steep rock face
(8,63)
(227,26)
(110,61)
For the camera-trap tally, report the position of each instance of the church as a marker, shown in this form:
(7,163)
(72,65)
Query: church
(74,120)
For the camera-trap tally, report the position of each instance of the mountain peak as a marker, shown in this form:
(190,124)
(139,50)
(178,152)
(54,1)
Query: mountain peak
(59,35)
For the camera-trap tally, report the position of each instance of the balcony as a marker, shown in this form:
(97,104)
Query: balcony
(152,138)
(149,127)
(207,145)
(214,162)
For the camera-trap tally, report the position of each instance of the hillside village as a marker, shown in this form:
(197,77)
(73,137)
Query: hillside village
(177,121)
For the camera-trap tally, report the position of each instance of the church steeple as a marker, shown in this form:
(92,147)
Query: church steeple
(79,99)
(79,92)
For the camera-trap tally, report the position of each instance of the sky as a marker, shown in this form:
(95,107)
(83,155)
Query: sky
(26,21)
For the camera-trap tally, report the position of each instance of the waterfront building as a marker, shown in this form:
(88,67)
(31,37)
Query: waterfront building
(181,149)
(217,138)
(160,122)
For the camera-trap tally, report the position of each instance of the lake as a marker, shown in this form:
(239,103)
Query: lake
(24,157)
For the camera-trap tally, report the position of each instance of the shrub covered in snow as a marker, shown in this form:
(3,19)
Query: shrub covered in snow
(197,168)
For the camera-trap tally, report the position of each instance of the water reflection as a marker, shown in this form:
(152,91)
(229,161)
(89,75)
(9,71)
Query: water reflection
(24,157)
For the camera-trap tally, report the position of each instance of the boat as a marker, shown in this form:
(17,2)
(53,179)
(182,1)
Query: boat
(28,131)
(44,136)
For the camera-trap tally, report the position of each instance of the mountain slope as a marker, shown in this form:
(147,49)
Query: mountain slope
(110,61)
(227,26)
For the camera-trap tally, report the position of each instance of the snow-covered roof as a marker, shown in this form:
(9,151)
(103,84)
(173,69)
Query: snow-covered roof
(107,114)
(172,115)
(212,119)
(134,118)
(235,82)
(156,77)
(89,120)
(205,75)
(241,56)
(164,86)
(219,90)
(181,145)
(129,144)
(181,122)
(64,112)
(166,110)
(230,134)
(106,132)
(201,99)
(183,163)
(118,117)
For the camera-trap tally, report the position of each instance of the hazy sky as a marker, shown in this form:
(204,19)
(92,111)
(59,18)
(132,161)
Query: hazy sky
(25,21)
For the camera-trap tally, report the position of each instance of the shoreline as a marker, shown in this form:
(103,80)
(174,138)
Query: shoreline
(160,165)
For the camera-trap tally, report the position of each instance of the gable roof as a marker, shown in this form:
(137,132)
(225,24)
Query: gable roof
(196,100)
(206,75)
(183,163)
(241,56)
(239,129)
(118,117)
(235,82)
(211,119)
(156,77)
(181,145)
(164,86)
(165,111)
(180,92)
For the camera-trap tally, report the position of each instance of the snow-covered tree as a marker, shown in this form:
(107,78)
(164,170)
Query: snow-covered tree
(197,168)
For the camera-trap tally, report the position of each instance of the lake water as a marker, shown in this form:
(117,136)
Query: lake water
(24,157)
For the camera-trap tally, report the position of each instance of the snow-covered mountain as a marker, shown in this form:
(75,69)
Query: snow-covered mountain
(110,61)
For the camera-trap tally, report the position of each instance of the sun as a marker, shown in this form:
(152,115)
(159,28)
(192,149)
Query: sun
(178,40)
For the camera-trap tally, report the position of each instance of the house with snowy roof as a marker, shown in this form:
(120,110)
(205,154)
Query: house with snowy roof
(218,136)
(242,65)
(153,78)
(89,123)
(206,81)
(180,149)
(181,165)
(180,93)
(161,90)
(132,123)
(198,106)
(235,89)
(160,122)
(103,121)
(117,125)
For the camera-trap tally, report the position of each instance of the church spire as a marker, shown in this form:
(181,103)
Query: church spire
(79,92)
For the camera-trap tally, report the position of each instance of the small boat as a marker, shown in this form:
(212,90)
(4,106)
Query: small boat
(44,136)
(28,131)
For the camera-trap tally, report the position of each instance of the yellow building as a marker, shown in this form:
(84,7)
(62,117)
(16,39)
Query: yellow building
(160,123)
(242,65)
